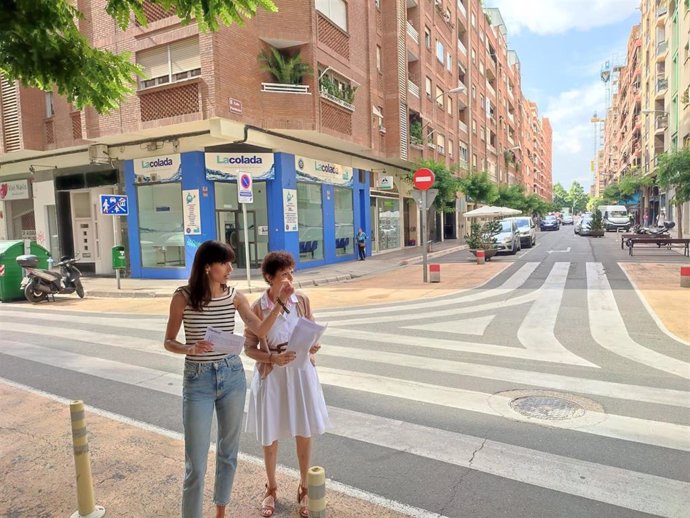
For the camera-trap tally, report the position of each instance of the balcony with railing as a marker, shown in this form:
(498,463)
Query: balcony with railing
(461,8)
(413,88)
(661,86)
(661,50)
(490,89)
(413,33)
(462,126)
(660,124)
(462,48)
(661,13)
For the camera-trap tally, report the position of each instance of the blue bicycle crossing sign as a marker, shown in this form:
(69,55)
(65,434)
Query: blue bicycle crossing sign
(114,204)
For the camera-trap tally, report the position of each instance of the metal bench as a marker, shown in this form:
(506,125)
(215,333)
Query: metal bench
(660,242)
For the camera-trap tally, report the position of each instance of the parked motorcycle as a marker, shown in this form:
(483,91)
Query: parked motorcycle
(656,231)
(40,283)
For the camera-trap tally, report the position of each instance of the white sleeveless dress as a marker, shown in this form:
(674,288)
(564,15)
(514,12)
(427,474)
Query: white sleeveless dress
(289,401)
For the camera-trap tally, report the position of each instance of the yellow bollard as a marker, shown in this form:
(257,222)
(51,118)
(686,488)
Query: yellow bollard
(82,461)
(316,485)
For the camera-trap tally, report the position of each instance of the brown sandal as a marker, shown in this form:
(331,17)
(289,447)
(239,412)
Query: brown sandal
(268,504)
(302,500)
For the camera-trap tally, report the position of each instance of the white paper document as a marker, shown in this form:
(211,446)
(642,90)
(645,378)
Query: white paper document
(306,334)
(224,341)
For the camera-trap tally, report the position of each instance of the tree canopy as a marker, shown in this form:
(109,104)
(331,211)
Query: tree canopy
(479,188)
(41,46)
(674,172)
(446,182)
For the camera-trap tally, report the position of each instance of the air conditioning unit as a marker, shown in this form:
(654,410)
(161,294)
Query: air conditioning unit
(98,154)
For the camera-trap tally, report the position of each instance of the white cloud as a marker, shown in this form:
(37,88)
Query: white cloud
(558,16)
(570,113)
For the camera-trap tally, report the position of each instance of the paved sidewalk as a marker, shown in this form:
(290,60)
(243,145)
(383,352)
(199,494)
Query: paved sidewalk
(137,472)
(318,276)
(659,286)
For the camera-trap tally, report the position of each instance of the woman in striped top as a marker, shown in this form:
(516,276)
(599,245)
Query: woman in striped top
(211,379)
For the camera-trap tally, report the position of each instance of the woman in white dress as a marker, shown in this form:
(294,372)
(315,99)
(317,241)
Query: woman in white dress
(284,401)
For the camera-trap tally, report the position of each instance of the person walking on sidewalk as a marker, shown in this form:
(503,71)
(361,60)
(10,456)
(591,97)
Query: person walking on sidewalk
(212,379)
(361,244)
(284,402)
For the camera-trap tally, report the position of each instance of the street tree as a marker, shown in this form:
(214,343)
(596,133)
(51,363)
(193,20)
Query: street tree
(577,197)
(512,196)
(447,183)
(560,196)
(479,188)
(673,173)
(41,46)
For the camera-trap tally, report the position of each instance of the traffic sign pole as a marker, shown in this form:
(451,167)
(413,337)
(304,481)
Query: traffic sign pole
(423,179)
(245,195)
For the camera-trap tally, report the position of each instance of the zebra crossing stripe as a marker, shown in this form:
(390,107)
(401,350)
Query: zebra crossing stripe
(655,433)
(608,328)
(615,486)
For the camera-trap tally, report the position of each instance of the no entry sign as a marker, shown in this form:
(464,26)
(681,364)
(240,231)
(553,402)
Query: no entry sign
(423,179)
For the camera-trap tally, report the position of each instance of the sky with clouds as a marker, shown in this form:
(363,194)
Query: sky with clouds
(562,45)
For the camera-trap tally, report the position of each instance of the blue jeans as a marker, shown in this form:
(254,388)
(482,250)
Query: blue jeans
(220,385)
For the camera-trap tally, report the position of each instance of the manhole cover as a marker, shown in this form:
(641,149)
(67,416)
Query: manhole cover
(547,407)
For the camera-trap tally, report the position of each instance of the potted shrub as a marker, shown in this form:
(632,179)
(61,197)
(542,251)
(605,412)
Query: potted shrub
(483,237)
(597,225)
(416,133)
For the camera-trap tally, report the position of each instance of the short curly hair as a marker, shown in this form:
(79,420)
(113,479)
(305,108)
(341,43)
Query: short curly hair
(276,261)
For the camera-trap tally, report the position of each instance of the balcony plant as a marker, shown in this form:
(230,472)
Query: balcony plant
(285,69)
(338,90)
(416,133)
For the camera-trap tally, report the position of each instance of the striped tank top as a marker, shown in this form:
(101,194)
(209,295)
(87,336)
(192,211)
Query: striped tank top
(219,313)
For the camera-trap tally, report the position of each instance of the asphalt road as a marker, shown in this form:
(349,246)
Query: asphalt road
(549,392)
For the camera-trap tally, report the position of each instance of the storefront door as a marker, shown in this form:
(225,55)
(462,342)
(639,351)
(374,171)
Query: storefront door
(92,231)
(230,226)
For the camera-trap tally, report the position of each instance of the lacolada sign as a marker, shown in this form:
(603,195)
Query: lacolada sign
(311,170)
(227,166)
(158,169)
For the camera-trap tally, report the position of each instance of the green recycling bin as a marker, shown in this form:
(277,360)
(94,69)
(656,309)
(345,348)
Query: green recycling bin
(119,260)
(11,272)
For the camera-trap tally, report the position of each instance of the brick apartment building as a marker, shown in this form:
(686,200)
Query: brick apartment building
(650,112)
(622,151)
(394,81)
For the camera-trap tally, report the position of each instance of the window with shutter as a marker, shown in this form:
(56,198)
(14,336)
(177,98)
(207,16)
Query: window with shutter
(185,58)
(177,61)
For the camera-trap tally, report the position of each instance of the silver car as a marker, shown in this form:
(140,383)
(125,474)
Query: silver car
(508,240)
(527,230)
(583,226)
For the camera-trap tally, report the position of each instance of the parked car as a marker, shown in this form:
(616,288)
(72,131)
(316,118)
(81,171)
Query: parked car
(508,239)
(567,219)
(584,226)
(527,230)
(549,223)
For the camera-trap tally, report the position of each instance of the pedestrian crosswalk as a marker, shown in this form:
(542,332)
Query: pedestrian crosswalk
(441,356)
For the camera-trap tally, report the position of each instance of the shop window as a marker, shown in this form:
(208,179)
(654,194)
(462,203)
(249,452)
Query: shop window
(310,217)
(388,223)
(230,222)
(177,61)
(344,222)
(161,234)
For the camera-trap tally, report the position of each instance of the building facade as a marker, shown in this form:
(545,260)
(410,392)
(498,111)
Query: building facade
(393,82)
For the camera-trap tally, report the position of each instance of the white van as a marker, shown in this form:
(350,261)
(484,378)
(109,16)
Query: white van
(614,217)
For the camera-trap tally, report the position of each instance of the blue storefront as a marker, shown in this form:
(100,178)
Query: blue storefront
(309,207)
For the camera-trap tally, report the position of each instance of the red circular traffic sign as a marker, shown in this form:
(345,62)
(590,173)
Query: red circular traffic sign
(423,179)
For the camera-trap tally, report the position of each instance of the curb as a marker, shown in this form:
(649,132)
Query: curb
(334,279)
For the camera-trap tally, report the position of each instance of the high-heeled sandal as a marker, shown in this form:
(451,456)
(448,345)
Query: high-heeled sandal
(268,504)
(302,500)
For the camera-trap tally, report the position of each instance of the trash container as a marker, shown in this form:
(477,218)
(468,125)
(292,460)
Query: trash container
(119,260)
(11,272)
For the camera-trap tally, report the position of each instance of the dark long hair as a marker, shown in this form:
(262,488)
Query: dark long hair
(208,253)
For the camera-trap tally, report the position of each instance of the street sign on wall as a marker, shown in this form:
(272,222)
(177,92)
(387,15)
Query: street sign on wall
(423,179)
